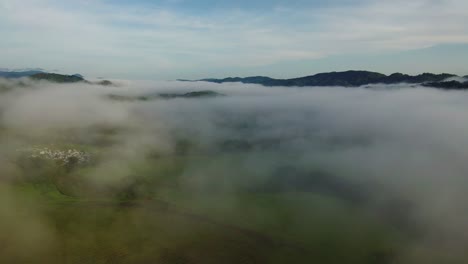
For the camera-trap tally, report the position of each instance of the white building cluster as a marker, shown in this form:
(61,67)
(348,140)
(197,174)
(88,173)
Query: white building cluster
(64,157)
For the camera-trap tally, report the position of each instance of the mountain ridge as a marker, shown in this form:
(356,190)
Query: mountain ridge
(350,78)
(38,75)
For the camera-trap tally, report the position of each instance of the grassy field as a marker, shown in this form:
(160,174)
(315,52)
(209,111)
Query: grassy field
(156,213)
(193,228)
(73,231)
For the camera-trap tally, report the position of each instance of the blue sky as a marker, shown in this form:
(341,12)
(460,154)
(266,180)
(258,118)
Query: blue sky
(170,39)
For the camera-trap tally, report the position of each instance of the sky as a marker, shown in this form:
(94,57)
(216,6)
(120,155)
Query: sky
(171,39)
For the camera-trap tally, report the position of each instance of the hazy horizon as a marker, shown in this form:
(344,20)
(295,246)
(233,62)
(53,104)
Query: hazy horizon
(177,39)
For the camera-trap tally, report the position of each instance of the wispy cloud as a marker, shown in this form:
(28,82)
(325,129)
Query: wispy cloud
(140,40)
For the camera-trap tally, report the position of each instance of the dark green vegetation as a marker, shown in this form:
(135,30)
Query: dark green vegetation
(196,94)
(18,74)
(450,85)
(105,83)
(58,78)
(347,78)
(51,77)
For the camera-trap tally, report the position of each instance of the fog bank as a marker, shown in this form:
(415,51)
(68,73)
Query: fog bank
(397,152)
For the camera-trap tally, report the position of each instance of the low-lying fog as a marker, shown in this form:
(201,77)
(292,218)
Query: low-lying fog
(398,151)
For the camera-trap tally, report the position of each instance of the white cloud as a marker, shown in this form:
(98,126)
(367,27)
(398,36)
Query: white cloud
(94,37)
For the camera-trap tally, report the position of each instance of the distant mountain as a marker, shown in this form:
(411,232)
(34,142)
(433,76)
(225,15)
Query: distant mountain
(39,74)
(58,78)
(18,74)
(347,78)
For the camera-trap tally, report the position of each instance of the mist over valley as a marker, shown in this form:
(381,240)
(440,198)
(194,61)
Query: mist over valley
(374,173)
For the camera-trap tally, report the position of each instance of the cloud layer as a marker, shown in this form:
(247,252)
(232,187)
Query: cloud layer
(394,144)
